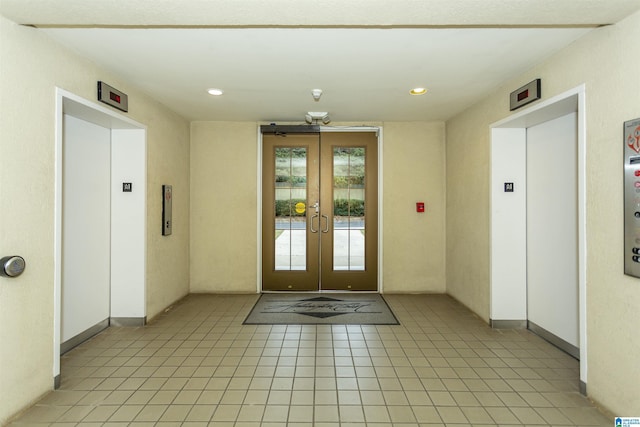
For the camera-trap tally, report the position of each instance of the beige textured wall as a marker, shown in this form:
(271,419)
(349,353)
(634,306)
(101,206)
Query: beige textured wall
(30,67)
(224,158)
(167,163)
(467,206)
(413,243)
(604,60)
(224,241)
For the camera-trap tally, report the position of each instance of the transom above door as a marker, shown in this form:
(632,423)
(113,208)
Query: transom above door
(319,204)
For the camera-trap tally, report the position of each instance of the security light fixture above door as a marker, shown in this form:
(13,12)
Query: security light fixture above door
(316,116)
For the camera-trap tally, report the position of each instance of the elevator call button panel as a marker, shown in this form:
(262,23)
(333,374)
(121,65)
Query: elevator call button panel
(632,198)
(167,208)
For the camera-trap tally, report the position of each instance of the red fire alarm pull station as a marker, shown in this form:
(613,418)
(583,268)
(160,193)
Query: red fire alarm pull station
(420,207)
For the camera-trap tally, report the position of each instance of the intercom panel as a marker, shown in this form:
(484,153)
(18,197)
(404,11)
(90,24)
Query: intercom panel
(167,198)
(632,197)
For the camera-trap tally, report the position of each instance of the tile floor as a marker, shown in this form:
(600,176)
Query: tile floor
(197,365)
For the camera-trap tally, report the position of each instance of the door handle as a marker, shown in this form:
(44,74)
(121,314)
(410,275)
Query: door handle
(326,229)
(12,266)
(311,224)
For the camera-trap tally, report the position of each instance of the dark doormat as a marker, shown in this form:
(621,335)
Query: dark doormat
(322,309)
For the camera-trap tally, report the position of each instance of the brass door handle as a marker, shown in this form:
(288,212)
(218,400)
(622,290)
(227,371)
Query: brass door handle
(311,224)
(326,229)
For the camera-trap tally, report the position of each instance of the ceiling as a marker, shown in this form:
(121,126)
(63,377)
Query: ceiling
(365,55)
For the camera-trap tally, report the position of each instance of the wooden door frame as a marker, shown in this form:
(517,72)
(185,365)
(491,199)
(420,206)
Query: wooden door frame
(379,131)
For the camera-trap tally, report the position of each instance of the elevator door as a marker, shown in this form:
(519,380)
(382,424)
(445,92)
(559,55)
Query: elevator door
(552,230)
(86,222)
(320,212)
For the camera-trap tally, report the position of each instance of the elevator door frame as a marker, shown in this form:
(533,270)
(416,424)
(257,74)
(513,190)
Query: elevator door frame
(323,129)
(128,214)
(508,274)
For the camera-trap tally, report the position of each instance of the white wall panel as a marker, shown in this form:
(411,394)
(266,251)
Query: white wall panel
(508,225)
(128,223)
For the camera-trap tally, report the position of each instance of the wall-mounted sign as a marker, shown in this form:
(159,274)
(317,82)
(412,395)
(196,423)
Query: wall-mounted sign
(508,187)
(112,96)
(524,95)
(127,187)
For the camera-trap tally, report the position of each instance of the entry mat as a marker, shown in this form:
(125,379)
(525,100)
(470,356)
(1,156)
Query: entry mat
(322,309)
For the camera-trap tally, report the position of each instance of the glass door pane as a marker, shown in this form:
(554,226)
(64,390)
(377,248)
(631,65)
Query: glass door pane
(290,189)
(348,208)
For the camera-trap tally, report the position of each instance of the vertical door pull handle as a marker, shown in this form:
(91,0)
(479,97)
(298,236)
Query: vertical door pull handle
(311,223)
(326,228)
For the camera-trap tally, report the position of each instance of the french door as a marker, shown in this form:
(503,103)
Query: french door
(319,211)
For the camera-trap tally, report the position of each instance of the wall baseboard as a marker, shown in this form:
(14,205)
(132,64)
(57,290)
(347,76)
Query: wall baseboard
(508,324)
(83,336)
(97,328)
(128,321)
(568,348)
(583,388)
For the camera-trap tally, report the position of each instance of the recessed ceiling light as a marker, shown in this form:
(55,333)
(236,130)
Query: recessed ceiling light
(215,92)
(418,91)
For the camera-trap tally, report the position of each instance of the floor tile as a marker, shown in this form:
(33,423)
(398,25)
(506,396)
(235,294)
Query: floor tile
(197,365)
